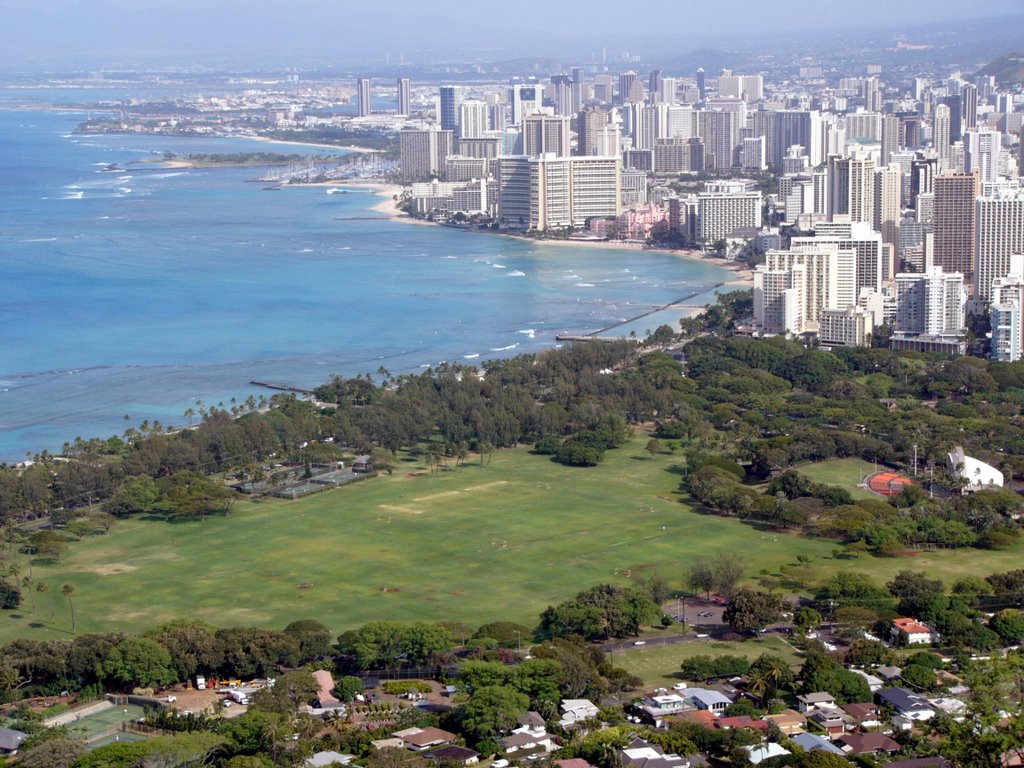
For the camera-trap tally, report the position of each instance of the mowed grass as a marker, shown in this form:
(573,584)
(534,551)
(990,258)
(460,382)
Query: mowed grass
(476,545)
(846,473)
(658,665)
(480,544)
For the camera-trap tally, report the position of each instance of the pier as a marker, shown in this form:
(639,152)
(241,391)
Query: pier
(281,387)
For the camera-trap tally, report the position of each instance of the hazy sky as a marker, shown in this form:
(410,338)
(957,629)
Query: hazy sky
(54,30)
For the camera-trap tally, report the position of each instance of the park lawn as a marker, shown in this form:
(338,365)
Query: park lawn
(474,545)
(477,544)
(658,665)
(846,473)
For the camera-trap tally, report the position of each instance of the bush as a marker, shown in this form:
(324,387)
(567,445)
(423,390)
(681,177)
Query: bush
(10,596)
(576,453)
(547,445)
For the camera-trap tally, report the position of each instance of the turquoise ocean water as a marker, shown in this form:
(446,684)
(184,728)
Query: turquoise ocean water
(137,292)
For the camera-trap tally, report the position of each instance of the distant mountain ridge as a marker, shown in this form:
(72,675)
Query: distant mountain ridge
(1008,69)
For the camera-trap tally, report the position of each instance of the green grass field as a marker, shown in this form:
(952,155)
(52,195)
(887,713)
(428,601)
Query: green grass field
(658,665)
(846,473)
(476,545)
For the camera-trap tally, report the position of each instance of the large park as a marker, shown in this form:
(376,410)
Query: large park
(499,538)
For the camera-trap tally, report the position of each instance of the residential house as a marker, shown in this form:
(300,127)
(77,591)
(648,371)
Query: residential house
(712,701)
(662,703)
(789,721)
(812,701)
(911,632)
(920,762)
(832,720)
(906,703)
(576,710)
(741,721)
(865,716)
(812,742)
(521,742)
(325,699)
(453,753)
(643,754)
(955,708)
(327,758)
(531,722)
(758,753)
(888,672)
(422,739)
(874,683)
(868,744)
(698,716)
(10,740)
(575,762)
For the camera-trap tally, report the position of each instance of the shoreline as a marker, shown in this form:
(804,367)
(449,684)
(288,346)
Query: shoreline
(743,274)
(267,139)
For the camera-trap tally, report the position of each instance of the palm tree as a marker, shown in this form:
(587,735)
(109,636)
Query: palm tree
(26,584)
(42,589)
(67,590)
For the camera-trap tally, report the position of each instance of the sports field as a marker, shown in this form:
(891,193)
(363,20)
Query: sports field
(90,727)
(476,545)
(846,473)
(658,665)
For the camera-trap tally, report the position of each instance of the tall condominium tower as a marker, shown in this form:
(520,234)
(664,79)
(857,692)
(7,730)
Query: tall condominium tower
(852,186)
(451,98)
(954,222)
(363,96)
(404,96)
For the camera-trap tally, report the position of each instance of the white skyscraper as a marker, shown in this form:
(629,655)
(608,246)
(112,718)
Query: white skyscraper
(940,134)
(930,305)
(981,154)
(999,232)
(1007,314)
(852,186)
(472,119)
(885,217)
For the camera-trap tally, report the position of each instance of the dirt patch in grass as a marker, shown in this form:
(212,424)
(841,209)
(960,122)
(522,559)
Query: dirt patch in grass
(112,569)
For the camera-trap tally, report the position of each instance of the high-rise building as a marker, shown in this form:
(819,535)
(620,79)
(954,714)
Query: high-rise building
(969,95)
(890,138)
(860,239)
(546,192)
(589,123)
(792,127)
(720,133)
(627,91)
(930,305)
(793,287)
(852,186)
(940,133)
(363,95)
(753,156)
(850,327)
(701,83)
(954,222)
(546,135)
(678,155)
(956,119)
(404,96)
(654,81)
(526,99)
(422,153)
(667,94)
(720,213)
(999,220)
(451,99)
(562,85)
(747,87)
(1006,314)
(981,153)
(864,125)
(885,217)
(473,119)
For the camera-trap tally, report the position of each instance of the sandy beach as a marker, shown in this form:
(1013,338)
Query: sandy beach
(351,148)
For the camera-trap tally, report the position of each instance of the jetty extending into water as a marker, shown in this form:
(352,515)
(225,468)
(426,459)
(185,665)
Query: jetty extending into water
(281,387)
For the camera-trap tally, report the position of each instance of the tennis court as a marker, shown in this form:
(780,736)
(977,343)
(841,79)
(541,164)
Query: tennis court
(122,736)
(92,726)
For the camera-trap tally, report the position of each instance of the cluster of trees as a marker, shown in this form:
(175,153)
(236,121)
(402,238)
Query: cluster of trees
(600,613)
(586,448)
(173,652)
(858,604)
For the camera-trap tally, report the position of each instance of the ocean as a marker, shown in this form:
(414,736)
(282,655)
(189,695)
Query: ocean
(130,295)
